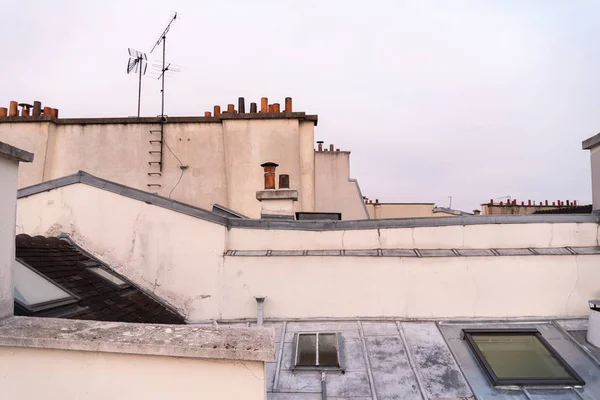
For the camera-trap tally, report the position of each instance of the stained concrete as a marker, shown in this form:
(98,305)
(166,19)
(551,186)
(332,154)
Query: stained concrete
(231,343)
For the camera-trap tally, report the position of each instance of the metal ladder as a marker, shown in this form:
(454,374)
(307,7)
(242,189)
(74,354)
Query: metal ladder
(156,150)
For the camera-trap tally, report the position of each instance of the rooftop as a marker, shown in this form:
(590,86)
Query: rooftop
(14,153)
(103,296)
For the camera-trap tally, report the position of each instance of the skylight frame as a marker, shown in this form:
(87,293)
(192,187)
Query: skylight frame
(93,268)
(575,379)
(45,305)
(338,346)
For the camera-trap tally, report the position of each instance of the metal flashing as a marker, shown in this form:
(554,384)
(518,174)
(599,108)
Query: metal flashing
(14,153)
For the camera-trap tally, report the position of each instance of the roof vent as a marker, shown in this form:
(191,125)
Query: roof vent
(593,333)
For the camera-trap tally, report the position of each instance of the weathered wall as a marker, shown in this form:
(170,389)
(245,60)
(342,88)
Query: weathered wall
(181,259)
(403,210)
(223,157)
(595,161)
(8,205)
(446,287)
(80,375)
(335,190)
(175,256)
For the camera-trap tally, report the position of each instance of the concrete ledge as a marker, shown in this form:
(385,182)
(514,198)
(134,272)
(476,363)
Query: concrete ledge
(14,153)
(155,120)
(277,194)
(590,143)
(190,341)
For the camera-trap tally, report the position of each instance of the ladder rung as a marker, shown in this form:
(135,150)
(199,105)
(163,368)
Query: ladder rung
(158,131)
(154,185)
(155,141)
(154,173)
(155,152)
(154,162)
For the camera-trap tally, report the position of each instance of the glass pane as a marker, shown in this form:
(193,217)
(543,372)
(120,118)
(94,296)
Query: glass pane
(328,350)
(307,349)
(519,356)
(32,288)
(108,276)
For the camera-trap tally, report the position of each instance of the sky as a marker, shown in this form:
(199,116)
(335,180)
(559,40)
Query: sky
(476,100)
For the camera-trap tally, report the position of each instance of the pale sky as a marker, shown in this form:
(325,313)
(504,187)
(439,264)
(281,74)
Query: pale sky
(470,99)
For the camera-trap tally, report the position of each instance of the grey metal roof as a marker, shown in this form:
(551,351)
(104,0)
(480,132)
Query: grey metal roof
(418,360)
(88,179)
(14,153)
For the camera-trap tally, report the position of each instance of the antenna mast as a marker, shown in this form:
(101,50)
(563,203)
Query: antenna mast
(137,63)
(163,39)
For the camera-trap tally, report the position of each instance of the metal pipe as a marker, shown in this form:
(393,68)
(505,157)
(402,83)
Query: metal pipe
(260,300)
(323,386)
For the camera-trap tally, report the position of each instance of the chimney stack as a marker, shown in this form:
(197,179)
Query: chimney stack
(253,107)
(241,105)
(25,109)
(264,104)
(217,111)
(320,145)
(12,109)
(276,107)
(3,111)
(574,203)
(207,113)
(288,104)
(230,109)
(269,168)
(331,147)
(37,108)
(47,111)
(284,181)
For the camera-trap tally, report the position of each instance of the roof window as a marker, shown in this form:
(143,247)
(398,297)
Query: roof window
(35,292)
(114,279)
(519,357)
(317,350)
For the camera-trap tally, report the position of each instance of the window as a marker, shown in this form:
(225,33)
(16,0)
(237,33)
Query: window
(519,357)
(34,292)
(317,350)
(115,280)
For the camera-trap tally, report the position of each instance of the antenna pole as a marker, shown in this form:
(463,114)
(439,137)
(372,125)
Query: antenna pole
(140,87)
(162,110)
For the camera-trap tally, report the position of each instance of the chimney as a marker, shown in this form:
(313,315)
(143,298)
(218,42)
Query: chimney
(376,201)
(491,202)
(3,111)
(37,108)
(55,112)
(217,111)
(529,202)
(276,203)
(476,212)
(12,109)
(276,107)
(331,147)
(264,105)
(207,113)
(288,104)
(230,109)
(574,203)
(553,204)
(320,145)
(271,108)
(269,168)
(284,181)
(522,204)
(25,109)
(253,107)
(47,111)
(241,105)
(568,202)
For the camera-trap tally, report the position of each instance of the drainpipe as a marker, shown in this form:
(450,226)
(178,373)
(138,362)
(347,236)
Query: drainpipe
(323,386)
(260,300)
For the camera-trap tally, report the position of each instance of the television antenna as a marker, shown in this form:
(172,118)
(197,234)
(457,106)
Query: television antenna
(162,39)
(137,63)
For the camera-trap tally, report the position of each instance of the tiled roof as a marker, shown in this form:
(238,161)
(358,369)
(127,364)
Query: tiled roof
(67,265)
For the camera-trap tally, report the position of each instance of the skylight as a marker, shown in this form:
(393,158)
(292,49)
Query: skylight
(317,350)
(109,277)
(519,357)
(35,292)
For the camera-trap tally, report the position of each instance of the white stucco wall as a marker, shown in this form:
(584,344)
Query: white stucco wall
(181,259)
(223,158)
(595,161)
(448,287)
(8,205)
(79,375)
(335,190)
(175,256)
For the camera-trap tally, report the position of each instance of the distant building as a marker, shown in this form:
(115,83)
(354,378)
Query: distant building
(514,207)
(379,210)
